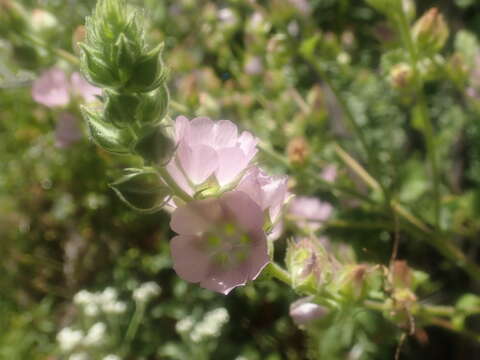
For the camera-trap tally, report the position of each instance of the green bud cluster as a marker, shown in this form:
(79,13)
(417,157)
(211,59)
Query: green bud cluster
(115,57)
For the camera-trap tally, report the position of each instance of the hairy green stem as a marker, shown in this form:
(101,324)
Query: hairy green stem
(280,274)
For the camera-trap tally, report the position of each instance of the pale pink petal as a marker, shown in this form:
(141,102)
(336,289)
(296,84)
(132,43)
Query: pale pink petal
(259,256)
(201,132)
(246,212)
(225,281)
(198,162)
(251,186)
(248,143)
(189,260)
(225,134)
(81,87)
(231,161)
(178,176)
(196,217)
(182,127)
(52,88)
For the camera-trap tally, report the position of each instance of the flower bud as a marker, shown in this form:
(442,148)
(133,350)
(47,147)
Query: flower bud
(356,281)
(431,31)
(298,151)
(401,76)
(308,264)
(304,311)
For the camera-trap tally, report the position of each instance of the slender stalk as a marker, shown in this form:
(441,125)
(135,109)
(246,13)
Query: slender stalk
(280,274)
(421,109)
(177,190)
(282,160)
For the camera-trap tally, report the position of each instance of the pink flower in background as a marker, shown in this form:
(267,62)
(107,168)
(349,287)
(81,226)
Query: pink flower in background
(52,88)
(310,212)
(329,173)
(208,150)
(67,131)
(81,87)
(220,242)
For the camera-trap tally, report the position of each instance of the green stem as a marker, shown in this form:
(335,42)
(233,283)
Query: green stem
(421,110)
(280,274)
(133,326)
(177,190)
(331,186)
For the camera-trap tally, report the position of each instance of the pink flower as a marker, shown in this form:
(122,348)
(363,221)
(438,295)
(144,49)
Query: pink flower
(269,192)
(67,131)
(81,87)
(52,88)
(209,153)
(220,242)
(310,212)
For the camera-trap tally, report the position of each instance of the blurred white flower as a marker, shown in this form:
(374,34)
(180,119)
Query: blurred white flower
(68,338)
(112,357)
(184,325)
(146,291)
(83,297)
(210,325)
(95,335)
(108,295)
(117,307)
(91,310)
(79,356)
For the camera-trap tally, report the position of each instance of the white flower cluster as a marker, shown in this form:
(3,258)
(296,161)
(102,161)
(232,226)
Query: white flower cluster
(79,356)
(68,339)
(105,301)
(146,291)
(112,357)
(209,327)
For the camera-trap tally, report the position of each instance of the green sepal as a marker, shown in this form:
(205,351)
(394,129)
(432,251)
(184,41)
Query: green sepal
(126,57)
(121,109)
(155,146)
(107,136)
(142,190)
(147,74)
(154,106)
(96,69)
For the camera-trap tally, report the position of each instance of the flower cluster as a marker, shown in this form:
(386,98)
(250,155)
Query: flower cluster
(209,327)
(94,303)
(221,241)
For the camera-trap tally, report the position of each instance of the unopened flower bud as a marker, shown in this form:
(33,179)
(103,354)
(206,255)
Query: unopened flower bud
(298,150)
(356,281)
(401,76)
(401,274)
(308,264)
(431,31)
(78,37)
(304,311)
